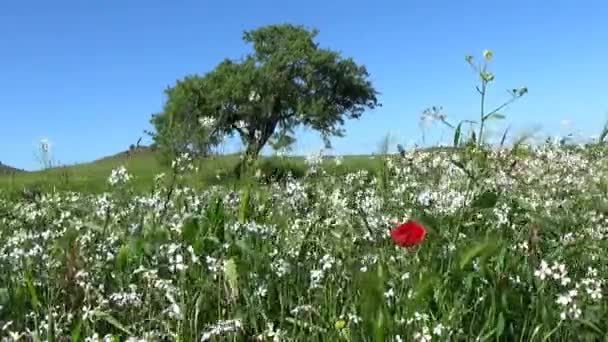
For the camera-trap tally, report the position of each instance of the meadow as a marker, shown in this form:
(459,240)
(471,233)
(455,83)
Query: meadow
(513,249)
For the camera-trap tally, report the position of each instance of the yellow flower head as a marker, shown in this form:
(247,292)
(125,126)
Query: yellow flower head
(487,54)
(340,324)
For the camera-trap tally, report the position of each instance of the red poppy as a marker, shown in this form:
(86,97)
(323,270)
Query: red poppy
(408,234)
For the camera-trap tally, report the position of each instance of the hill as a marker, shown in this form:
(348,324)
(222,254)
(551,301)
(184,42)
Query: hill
(143,163)
(8,170)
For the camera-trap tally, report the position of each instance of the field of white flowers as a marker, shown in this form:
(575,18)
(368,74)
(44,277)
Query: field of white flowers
(514,250)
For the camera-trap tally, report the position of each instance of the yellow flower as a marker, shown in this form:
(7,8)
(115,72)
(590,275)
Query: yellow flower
(340,324)
(487,76)
(487,54)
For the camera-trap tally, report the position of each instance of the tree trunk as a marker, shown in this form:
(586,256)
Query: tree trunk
(248,158)
(255,144)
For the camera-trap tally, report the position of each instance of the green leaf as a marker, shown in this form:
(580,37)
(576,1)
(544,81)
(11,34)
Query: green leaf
(36,338)
(232,277)
(380,327)
(75,336)
(535,332)
(190,230)
(4,296)
(504,137)
(478,249)
(457,134)
(553,331)
(244,205)
(122,257)
(430,222)
(216,218)
(32,291)
(371,286)
(592,326)
(486,200)
(500,326)
(496,116)
(197,307)
(425,286)
(50,333)
(112,321)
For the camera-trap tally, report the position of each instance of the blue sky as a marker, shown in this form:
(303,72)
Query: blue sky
(88,74)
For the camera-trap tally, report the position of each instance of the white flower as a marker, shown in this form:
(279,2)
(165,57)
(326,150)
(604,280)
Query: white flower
(119,175)
(544,271)
(389,294)
(564,300)
(6,325)
(315,278)
(280,267)
(261,291)
(438,329)
(87,312)
(424,335)
(339,160)
(301,309)
(327,262)
(254,97)
(222,328)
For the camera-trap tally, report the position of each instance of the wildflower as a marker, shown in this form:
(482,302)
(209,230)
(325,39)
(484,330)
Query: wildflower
(254,96)
(390,293)
(222,328)
(119,175)
(424,335)
(544,271)
(261,291)
(438,329)
(280,267)
(6,325)
(306,308)
(315,278)
(487,54)
(338,160)
(408,234)
(275,335)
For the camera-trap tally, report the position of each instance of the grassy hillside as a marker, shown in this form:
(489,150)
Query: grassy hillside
(8,170)
(144,165)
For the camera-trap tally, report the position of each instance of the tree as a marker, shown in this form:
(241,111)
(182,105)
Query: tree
(286,82)
(181,127)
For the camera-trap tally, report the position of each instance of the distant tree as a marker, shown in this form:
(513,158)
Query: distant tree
(286,82)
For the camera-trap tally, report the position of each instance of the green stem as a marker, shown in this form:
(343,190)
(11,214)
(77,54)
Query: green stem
(482,117)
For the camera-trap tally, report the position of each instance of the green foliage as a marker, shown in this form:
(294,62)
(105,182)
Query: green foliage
(286,82)
(276,169)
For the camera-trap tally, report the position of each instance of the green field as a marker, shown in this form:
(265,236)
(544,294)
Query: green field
(514,249)
(92,177)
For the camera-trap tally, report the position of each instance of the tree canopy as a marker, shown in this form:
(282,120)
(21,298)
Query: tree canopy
(286,82)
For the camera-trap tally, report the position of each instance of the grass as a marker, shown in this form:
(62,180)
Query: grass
(92,177)
(514,251)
